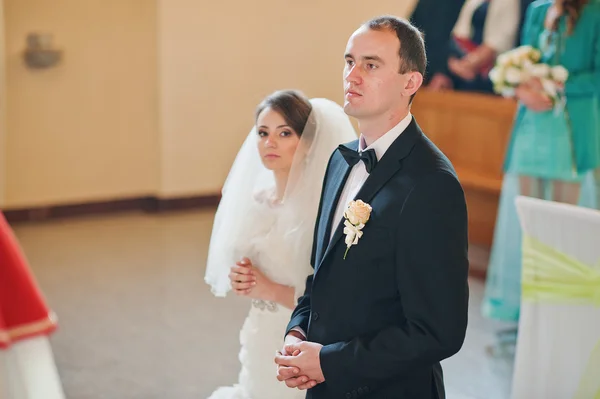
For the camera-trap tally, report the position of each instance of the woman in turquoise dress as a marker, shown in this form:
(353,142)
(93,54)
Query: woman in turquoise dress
(553,153)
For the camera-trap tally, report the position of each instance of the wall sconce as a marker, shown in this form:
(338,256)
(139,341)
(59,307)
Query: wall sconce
(39,53)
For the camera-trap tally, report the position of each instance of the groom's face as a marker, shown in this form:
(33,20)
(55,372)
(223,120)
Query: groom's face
(372,83)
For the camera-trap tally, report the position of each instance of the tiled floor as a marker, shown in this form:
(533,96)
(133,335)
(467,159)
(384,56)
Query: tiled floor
(137,321)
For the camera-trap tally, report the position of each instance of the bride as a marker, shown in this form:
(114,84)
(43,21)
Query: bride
(263,229)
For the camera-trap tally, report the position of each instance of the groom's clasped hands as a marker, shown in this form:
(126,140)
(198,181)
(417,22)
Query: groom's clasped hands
(298,363)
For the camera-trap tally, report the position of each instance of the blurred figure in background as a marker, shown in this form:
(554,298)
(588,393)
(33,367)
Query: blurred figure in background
(484,29)
(553,154)
(436,19)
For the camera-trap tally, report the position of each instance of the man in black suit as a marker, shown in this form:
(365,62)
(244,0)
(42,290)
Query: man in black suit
(388,297)
(524,5)
(436,20)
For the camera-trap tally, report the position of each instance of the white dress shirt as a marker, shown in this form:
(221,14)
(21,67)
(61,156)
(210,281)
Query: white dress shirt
(358,175)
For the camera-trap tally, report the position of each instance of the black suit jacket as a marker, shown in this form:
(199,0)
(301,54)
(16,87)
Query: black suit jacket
(397,305)
(524,6)
(436,19)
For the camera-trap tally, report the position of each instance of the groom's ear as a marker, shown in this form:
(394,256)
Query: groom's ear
(413,83)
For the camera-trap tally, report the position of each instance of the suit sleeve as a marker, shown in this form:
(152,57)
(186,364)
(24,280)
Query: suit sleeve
(432,269)
(301,314)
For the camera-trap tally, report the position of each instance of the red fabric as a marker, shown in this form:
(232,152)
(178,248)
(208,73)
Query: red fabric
(468,46)
(23,311)
(465,44)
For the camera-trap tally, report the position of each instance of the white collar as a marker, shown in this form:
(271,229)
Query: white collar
(382,144)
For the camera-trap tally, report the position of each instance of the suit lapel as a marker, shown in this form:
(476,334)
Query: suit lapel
(339,175)
(388,166)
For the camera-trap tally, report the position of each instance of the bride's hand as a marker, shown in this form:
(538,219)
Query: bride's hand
(263,287)
(242,277)
(534,100)
(248,280)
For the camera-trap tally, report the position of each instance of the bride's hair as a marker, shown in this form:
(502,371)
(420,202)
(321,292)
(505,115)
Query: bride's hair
(293,106)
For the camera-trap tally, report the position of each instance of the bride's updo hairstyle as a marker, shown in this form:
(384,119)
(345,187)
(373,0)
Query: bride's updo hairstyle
(292,105)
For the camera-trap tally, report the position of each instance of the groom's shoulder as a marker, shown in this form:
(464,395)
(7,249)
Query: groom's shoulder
(353,145)
(432,171)
(336,158)
(427,157)
(336,155)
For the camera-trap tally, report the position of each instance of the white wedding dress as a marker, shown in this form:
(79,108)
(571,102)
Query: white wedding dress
(276,237)
(270,248)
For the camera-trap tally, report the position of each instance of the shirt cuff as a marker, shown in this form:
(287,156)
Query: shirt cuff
(300,330)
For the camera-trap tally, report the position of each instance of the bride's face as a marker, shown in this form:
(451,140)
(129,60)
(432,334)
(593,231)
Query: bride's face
(277,141)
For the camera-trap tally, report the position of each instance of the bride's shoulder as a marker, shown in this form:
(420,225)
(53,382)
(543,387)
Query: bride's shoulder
(261,196)
(265,197)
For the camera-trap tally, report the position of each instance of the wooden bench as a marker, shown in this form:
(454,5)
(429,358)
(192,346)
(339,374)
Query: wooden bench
(473,131)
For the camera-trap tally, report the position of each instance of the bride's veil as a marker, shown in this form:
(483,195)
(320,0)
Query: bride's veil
(326,128)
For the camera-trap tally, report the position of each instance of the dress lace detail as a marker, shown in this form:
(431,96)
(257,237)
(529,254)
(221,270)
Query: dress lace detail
(269,248)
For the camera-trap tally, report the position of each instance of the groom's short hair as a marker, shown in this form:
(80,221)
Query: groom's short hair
(412,45)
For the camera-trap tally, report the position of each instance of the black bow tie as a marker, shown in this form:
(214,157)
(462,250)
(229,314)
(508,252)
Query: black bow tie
(352,157)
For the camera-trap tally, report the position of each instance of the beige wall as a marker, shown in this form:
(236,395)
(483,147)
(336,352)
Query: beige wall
(87,129)
(216,65)
(156,96)
(2,108)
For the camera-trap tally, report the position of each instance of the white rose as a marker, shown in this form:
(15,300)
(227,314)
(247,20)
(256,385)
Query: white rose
(540,70)
(504,90)
(358,212)
(524,58)
(527,64)
(496,74)
(560,73)
(513,75)
(549,87)
(503,59)
(525,49)
(535,55)
(515,58)
(517,55)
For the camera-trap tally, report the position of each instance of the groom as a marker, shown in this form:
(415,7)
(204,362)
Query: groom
(388,297)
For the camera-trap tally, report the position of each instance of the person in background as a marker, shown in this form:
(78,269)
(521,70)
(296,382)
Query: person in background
(523,8)
(435,19)
(553,154)
(484,29)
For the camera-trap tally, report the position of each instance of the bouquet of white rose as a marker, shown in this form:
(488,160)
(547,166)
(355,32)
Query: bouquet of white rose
(522,64)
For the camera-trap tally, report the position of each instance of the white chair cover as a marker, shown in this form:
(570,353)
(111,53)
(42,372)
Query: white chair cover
(558,345)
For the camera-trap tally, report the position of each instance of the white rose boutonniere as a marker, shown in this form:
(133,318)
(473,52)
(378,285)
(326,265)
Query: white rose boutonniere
(357,215)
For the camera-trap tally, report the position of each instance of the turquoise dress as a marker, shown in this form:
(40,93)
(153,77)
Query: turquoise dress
(561,145)
(552,146)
